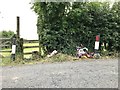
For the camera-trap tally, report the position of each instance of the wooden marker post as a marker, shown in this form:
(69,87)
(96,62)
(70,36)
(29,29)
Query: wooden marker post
(97,55)
(13,49)
(97,43)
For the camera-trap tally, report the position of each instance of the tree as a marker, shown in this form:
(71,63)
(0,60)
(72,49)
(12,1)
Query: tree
(63,26)
(50,24)
(114,25)
(6,34)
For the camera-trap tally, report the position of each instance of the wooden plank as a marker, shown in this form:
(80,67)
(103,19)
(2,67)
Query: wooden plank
(4,45)
(1,39)
(6,57)
(27,53)
(31,41)
(31,47)
(5,50)
(7,42)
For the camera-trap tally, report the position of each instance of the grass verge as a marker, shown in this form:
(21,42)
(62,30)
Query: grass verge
(56,58)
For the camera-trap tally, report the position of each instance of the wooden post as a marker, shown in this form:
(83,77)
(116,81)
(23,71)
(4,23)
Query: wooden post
(18,27)
(39,45)
(97,43)
(13,48)
(18,35)
(97,55)
(21,48)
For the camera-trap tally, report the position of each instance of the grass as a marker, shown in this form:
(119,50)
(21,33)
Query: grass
(5,54)
(8,61)
(56,58)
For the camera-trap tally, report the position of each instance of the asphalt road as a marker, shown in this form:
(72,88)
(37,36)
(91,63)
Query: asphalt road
(77,74)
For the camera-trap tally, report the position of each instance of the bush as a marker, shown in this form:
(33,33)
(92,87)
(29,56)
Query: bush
(76,24)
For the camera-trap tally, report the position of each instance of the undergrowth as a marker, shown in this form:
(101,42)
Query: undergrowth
(56,58)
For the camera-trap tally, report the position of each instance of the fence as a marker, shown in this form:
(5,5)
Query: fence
(30,46)
(5,43)
(20,46)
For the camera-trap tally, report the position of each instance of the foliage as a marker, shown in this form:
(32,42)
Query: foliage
(60,58)
(6,34)
(63,26)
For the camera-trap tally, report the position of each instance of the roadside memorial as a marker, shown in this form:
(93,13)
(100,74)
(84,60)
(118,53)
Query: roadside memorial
(82,52)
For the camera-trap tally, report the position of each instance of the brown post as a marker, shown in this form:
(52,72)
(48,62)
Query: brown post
(39,45)
(19,47)
(13,53)
(18,35)
(18,27)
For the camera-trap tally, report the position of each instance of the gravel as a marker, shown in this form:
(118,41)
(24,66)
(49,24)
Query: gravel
(77,74)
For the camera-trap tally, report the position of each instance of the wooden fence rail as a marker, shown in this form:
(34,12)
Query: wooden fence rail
(29,41)
(5,44)
(30,47)
(33,41)
(26,53)
(2,39)
(6,51)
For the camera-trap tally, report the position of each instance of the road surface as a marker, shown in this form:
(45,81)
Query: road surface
(77,74)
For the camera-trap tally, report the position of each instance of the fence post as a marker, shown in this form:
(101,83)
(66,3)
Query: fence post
(19,48)
(39,45)
(18,27)
(13,48)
